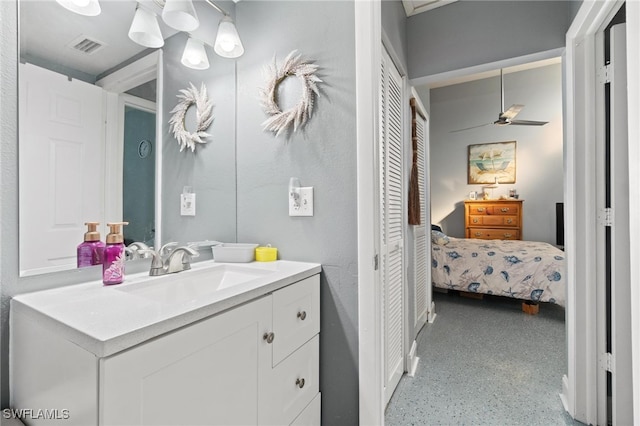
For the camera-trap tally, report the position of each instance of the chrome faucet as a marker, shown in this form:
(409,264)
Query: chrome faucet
(178,260)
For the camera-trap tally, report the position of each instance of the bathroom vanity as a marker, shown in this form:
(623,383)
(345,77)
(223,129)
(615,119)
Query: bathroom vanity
(219,344)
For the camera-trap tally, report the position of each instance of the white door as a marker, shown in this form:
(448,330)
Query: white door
(615,387)
(392,208)
(61,169)
(421,241)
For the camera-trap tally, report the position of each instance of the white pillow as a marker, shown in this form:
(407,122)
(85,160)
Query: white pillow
(439,238)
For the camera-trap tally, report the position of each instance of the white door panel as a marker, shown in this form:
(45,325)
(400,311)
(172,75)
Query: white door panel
(61,151)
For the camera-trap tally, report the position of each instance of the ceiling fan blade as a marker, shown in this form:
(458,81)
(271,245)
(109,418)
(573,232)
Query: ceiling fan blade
(511,113)
(528,123)
(469,128)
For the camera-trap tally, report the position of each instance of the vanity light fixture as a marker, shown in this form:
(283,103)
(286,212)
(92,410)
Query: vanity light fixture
(82,7)
(228,44)
(180,15)
(145,30)
(194,55)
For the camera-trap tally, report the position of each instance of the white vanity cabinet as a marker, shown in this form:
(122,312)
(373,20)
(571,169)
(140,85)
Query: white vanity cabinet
(257,363)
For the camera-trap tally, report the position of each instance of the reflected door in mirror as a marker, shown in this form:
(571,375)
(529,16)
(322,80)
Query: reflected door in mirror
(61,151)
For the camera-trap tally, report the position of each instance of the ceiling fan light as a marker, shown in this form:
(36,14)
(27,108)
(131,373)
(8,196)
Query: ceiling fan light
(145,30)
(194,55)
(180,15)
(82,7)
(228,43)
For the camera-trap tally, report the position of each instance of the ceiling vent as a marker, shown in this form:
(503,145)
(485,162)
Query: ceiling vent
(86,45)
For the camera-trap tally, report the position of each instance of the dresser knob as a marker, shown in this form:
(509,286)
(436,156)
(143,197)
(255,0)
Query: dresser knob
(302,315)
(269,337)
(478,234)
(504,209)
(509,221)
(300,383)
(507,235)
(475,220)
(480,209)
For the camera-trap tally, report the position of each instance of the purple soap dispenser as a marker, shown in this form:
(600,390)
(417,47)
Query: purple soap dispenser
(114,256)
(91,250)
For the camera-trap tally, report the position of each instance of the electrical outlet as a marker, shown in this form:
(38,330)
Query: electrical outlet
(302,204)
(188,204)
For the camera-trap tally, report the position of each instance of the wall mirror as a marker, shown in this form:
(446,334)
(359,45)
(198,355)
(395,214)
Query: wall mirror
(93,133)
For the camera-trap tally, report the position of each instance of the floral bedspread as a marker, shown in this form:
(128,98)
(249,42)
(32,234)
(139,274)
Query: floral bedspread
(526,270)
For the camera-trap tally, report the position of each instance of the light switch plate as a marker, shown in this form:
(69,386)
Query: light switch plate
(188,204)
(305,207)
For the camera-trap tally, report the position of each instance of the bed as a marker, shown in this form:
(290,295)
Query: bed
(527,270)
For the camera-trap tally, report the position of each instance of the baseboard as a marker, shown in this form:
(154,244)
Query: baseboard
(431,314)
(412,360)
(565,394)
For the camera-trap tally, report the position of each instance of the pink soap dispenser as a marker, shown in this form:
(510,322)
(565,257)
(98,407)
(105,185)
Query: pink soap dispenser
(90,252)
(114,256)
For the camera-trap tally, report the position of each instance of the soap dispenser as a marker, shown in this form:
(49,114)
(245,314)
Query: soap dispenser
(114,255)
(90,252)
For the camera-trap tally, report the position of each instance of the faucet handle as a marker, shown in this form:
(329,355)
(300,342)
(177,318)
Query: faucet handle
(167,248)
(156,263)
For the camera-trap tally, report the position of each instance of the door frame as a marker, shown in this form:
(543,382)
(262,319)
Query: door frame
(578,390)
(116,84)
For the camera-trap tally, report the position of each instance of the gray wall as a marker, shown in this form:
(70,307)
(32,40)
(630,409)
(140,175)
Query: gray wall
(539,162)
(323,155)
(210,170)
(394,28)
(469,33)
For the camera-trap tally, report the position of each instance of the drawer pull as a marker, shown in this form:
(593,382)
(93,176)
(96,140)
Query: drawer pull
(480,209)
(300,383)
(478,234)
(509,221)
(269,337)
(504,209)
(475,220)
(302,315)
(507,235)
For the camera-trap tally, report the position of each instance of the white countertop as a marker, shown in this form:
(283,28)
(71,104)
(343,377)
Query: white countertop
(108,319)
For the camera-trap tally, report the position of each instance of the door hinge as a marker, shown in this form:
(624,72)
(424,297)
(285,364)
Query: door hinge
(607,362)
(605,218)
(604,74)
(375,262)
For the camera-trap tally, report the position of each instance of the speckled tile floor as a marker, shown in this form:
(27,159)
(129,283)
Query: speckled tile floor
(485,362)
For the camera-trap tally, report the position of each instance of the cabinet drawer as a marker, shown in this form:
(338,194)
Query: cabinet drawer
(291,385)
(493,234)
(494,221)
(311,415)
(508,210)
(296,316)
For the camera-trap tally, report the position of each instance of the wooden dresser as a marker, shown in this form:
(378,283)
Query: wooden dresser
(493,219)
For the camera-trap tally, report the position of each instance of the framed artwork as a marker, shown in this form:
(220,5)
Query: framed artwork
(491,163)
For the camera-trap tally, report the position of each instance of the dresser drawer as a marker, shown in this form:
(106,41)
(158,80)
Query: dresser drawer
(296,316)
(505,210)
(292,385)
(311,415)
(494,221)
(493,234)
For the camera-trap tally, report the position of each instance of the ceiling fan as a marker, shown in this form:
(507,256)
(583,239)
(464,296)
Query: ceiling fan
(506,118)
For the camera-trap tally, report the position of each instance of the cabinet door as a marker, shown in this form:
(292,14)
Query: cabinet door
(205,374)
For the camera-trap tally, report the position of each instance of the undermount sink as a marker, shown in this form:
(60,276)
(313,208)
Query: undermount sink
(190,285)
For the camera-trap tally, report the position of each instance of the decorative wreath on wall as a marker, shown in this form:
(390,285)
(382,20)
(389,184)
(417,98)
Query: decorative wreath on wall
(204,117)
(298,115)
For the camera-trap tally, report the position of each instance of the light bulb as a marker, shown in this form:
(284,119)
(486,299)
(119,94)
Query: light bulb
(227,44)
(81,3)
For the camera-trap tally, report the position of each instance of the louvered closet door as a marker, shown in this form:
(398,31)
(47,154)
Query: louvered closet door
(421,248)
(391,217)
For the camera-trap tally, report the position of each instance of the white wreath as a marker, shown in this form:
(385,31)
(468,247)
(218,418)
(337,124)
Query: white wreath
(298,115)
(204,117)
